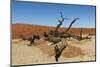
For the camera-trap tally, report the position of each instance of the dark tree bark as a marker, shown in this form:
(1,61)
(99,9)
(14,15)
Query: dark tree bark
(60,21)
(80,37)
(58,52)
(30,38)
(71,24)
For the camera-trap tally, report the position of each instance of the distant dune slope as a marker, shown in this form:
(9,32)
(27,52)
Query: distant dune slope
(28,29)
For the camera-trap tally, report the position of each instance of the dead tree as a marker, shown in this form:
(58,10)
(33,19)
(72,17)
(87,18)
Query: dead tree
(79,37)
(57,53)
(71,24)
(26,37)
(53,35)
(82,38)
(33,39)
(45,34)
(63,34)
(30,38)
(60,21)
(36,36)
(52,39)
(59,47)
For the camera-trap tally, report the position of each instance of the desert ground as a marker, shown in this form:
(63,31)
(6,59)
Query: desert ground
(41,52)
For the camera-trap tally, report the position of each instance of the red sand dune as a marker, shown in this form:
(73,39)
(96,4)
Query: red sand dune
(28,29)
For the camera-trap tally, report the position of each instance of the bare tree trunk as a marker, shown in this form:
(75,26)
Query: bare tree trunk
(60,23)
(59,47)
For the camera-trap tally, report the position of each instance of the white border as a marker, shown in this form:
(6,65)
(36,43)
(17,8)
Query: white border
(84,2)
(4,33)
